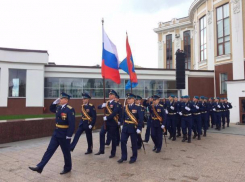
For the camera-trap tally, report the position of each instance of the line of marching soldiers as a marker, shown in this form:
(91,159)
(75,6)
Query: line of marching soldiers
(168,114)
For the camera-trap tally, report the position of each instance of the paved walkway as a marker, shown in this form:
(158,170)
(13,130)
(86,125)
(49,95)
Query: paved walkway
(220,157)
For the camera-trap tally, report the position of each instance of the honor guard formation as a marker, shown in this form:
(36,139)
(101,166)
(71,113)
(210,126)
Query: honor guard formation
(121,122)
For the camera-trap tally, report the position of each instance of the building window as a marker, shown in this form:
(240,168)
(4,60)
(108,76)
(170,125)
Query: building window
(223,30)
(223,86)
(169,54)
(17,83)
(203,38)
(187,49)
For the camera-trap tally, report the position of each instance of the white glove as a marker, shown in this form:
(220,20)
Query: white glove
(104,118)
(218,106)
(187,108)
(166,111)
(57,101)
(90,126)
(228,106)
(68,138)
(180,113)
(197,107)
(162,126)
(119,123)
(214,109)
(103,105)
(138,131)
(172,107)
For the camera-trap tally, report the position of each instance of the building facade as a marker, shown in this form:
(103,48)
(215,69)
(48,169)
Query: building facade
(213,38)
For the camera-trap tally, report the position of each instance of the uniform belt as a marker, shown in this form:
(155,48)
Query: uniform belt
(204,112)
(62,126)
(129,122)
(186,114)
(85,119)
(171,113)
(196,114)
(154,118)
(218,111)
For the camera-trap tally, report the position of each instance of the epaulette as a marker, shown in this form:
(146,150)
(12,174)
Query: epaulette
(119,103)
(91,104)
(161,105)
(69,107)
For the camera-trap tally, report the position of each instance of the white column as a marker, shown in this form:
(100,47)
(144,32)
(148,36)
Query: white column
(210,40)
(160,54)
(237,39)
(4,86)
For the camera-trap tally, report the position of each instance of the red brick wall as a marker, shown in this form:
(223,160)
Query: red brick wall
(225,68)
(201,86)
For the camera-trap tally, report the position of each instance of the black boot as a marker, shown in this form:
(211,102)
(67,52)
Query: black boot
(184,138)
(170,137)
(179,135)
(228,125)
(205,134)
(199,137)
(174,138)
(195,135)
(189,139)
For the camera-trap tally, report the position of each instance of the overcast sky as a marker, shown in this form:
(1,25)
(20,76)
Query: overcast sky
(71,30)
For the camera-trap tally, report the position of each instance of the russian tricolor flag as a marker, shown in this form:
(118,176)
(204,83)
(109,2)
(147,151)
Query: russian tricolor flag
(110,63)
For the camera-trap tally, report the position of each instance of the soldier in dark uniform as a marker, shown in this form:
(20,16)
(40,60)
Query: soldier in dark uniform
(178,117)
(65,126)
(108,140)
(211,112)
(217,113)
(147,104)
(158,117)
(228,106)
(111,123)
(223,111)
(172,110)
(138,102)
(197,120)
(204,116)
(132,126)
(186,118)
(86,124)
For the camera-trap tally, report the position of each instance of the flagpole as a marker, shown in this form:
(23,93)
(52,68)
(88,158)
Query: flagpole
(102,21)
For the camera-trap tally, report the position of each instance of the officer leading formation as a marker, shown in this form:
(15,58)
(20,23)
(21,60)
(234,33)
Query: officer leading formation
(122,122)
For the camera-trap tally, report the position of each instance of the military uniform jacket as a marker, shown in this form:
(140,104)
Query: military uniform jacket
(228,106)
(64,117)
(184,111)
(210,108)
(175,105)
(136,110)
(204,109)
(195,110)
(161,112)
(120,112)
(90,110)
(217,106)
(114,106)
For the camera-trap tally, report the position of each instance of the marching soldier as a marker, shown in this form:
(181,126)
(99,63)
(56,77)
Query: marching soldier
(108,140)
(138,102)
(227,113)
(133,121)
(65,126)
(172,110)
(147,104)
(186,118)
(217,113)
(223,112)
(111,124)
(86,124)
(158,117)
(204,116)
(197,120)
(211,112)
